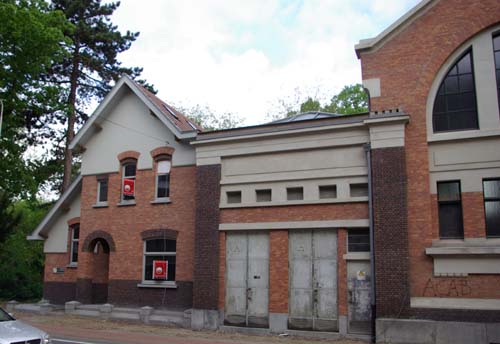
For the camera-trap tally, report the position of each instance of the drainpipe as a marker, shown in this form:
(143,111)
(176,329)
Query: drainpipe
(373,305)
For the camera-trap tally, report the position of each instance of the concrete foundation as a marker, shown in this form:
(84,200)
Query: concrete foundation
(278,322)
(205,319)
(406,331)
(343,324)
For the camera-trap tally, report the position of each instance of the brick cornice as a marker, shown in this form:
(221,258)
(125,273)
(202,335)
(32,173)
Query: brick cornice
(128,155)
(162,151)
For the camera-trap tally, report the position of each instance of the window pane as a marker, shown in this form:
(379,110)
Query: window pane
(328,191)
(492,211)
(491,188)
(263,195)
(463,120)
(129,170)
(440,122)
(233,196)
(163,186)
(74,255)
(497,58)
(466,82)
(358,240)
(450,221)
(294,194)
(359,190)
(160,245)
(440,104)
(496,43)
(148,269)
(103,190)
(449,191)
(464,65)
(451,84)
(164,166)
(76,231)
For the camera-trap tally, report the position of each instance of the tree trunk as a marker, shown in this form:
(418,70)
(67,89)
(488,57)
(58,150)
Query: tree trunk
(70,134)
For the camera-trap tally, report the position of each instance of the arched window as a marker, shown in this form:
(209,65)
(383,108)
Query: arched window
(455,104)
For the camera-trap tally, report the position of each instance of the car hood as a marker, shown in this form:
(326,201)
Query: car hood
(11,331)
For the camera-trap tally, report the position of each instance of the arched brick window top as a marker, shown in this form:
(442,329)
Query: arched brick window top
(87,247)
(161,152)
(159,234)
(128,155)
(73,221)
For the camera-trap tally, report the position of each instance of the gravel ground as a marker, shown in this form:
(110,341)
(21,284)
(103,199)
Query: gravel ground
(97,329)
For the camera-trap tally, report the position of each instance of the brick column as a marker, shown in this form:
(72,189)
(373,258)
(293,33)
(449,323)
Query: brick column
(342,272)
(278,280)
(222,270)
(389,181)
(206,259)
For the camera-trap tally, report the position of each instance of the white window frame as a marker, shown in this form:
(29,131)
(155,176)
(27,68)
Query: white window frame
(72,241)
(157,176)
(153,283)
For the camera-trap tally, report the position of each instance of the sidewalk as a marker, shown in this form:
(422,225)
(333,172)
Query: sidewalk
(80,328)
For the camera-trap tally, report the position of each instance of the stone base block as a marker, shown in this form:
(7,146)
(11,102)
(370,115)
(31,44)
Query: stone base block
(204,319)
(278,322)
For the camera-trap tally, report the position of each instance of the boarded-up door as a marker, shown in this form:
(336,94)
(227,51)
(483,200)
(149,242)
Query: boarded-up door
(313,280)
(247,279)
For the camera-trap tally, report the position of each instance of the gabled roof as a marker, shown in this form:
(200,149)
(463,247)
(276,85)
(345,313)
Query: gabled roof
(397,26)
(176,122)
(40,232)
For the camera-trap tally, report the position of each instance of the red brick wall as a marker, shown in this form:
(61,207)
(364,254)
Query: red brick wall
(407,65)
(278,271)
(316,212)
(58,260)
(222,270)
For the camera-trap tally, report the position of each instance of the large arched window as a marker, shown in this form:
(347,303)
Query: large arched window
(455,104)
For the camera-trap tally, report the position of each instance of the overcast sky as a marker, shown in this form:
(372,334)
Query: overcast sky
(244,57)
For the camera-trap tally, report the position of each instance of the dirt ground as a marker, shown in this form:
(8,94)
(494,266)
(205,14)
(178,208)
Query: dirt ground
(124,332)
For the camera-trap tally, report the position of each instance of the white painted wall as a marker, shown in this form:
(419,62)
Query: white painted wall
(57,240)
(129,125)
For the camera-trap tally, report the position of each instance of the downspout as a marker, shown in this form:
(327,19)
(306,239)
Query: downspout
(373,304)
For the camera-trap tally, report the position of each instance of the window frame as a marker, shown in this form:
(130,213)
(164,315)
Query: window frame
(73,240)
(358,232)
(459,92)
(489,199)
(124,164)
(157,177)
(100,180)
(451,202)
(165,253)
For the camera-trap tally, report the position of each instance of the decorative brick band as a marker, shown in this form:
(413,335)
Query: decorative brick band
(159,234)
(128,155)
(98,235)
(206,259)
(389,180)
(73,221)
(161,151)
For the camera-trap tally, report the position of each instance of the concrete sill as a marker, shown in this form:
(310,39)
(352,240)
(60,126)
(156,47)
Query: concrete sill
(357,256)
(164,285)
(467,247)
(161,201)
(72,266)
(100,205)
(125,204)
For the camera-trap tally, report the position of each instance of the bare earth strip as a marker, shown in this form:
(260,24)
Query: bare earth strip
(80,328)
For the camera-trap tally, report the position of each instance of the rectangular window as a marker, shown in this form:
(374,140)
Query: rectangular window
(450,210)
(163,179)
(233,196)
(359,190)
(358,240)
(327,191)
(162,250)
(295,194)
(102,190)
(263,195)
(75,236)
(491,193)
(128,182)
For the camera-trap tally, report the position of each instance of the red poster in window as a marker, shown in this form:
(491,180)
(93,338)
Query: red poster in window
(160,269)
(128,187)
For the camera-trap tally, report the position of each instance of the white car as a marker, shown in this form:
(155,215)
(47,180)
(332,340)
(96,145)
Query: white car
(13,331)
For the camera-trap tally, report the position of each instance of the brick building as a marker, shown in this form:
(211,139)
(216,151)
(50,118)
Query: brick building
(269,226)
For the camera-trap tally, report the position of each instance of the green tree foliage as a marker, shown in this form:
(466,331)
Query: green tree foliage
(30,42)
(91,64)
(21,261)
(209,121)
(9,218)
(352,99)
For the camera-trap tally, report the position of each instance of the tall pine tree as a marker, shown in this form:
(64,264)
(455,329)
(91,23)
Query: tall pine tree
(91,65)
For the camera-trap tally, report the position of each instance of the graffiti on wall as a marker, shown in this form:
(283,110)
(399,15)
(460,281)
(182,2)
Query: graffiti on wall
(449,287)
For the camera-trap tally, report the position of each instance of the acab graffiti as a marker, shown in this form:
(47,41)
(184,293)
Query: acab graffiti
(447,287)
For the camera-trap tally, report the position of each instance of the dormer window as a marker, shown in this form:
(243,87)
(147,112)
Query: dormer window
(128,180)
(455,104)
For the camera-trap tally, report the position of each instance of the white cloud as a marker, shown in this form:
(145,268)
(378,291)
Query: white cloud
(242,56)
